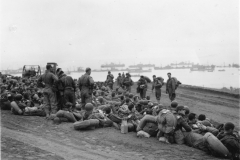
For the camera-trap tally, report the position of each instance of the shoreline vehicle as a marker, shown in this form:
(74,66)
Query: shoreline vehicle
(31,71)
(54,66)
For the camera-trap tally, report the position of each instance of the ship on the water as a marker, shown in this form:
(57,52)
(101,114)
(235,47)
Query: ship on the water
(68,72)
(110,69)
(221,70)
(181,65)
(112,65)
(135,75)
(100,70)
(138,70)
(163,68)
(140,65)
(202,68)
(80,69)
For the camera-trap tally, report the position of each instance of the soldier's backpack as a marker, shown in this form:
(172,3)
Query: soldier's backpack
(147,79)
(166,121)
(177,82)
(151,129)
(161,80)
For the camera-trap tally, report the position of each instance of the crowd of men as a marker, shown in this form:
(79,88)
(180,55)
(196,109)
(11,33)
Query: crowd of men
(61,98)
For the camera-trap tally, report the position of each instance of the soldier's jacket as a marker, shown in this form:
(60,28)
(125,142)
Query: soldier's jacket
(110,78)
(67,82)
(48,78)
(181,123)
(85,82)
(157,84)
(119,80)
(231,142)
(142,81)
(127,81)
(171,85)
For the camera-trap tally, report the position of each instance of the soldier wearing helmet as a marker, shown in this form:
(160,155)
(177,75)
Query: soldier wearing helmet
(142,86)
(85,84)
(127,82)
(171,87)
(109,80)
(50,100)
(157,85)
(119,81)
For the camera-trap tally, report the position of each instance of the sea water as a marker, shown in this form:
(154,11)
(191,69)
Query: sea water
(216,79)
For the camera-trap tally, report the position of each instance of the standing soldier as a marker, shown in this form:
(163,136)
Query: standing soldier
(123,77)
(50,100)
(171,87)
(157,85)
(119,81)
(69,89)
(85,84)
(109,80)
(142,86)
(127,82)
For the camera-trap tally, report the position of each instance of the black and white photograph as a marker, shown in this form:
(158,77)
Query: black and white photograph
(119,80)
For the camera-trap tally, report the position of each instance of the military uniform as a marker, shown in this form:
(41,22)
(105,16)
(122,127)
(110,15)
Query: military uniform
(69,90)
(170,88)
(157,85)
(127,82)
(119,81)
(166,123)
(50,100)
(109,80)
(142,84)
(86,83)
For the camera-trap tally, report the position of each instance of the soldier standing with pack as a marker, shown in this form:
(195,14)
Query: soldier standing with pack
(109,80)
(171,87)
(157,85)
(50,100)
(142,85)
(119,81)
(69,89)
(85,84)
(127,82)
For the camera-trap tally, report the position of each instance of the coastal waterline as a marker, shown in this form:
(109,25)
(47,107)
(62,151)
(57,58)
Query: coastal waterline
(216,79)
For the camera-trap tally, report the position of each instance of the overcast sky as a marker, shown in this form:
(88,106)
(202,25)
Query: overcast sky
(94,32)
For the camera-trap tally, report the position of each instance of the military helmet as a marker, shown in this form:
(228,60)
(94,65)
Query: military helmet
(174,104)
(178,108)
(18,97)
(89,107)
(187,109)
(130,95)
